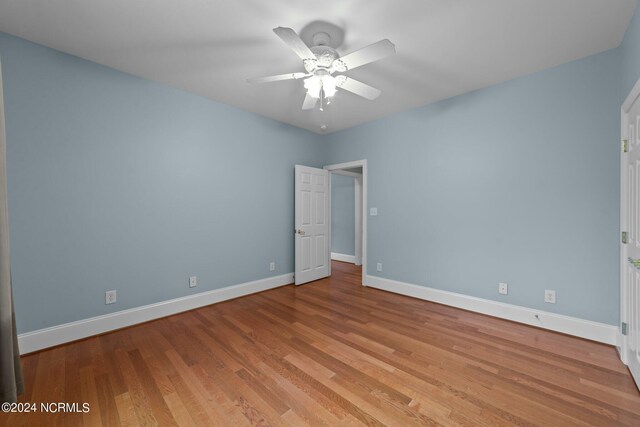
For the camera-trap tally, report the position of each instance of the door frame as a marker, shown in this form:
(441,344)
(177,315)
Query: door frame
(623,346)
(340,168)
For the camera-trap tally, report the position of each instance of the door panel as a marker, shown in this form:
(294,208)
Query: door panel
(636,324)
(632,184)
(306,208)
(311,224)
(635,182)
(321,248)
(320,208)
(633,279)
(631,251)
(305,261)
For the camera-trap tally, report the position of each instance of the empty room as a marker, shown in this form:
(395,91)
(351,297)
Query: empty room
(331,213)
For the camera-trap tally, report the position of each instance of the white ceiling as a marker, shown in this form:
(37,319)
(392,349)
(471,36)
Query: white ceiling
(444,47)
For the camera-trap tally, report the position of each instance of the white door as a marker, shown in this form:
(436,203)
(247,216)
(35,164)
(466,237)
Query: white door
(630,297)
(311,224)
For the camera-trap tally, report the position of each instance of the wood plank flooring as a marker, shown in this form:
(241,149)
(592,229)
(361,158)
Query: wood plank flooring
(331,353)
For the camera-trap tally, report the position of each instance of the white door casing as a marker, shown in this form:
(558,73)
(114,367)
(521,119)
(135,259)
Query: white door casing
(630,221)
(358,219)
(311,224)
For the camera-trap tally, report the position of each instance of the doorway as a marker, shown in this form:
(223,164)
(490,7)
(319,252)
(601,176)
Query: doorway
(346,216)
(350,181)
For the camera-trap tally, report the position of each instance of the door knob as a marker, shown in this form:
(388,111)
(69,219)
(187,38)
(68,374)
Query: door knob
(300,232)
(635,262)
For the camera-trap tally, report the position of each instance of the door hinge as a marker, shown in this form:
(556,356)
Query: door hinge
(623,328)
(625,145)
(625,237)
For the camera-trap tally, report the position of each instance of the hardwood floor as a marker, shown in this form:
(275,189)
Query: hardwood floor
(331,353)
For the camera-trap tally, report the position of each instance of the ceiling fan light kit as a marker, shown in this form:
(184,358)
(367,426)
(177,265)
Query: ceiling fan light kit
(322,61)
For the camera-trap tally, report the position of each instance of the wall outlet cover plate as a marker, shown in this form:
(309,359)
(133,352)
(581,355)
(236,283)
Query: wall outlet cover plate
(503,288)
(550,296)
(110,297)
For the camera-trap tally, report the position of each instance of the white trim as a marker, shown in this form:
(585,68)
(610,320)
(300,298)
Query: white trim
(329,237)
(344,258)
(357,186)
(67,332)
(631,98)
(346,173)
(588,329)
(351,165)
(619,338)
(623,344)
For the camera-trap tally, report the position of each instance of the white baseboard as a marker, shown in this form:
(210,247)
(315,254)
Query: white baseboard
(344,258)
(56,335)
(595,331)
(621,347)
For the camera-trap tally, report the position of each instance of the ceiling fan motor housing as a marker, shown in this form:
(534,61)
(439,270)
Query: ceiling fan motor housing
(325,55)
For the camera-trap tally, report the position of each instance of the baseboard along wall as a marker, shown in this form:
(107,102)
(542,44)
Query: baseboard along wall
(342,257)
(590,330)
(67,332)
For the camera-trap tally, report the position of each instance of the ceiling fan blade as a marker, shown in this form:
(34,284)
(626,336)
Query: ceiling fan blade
(293,40)
(309,102)
(359,88)
(269,79)
(371,53)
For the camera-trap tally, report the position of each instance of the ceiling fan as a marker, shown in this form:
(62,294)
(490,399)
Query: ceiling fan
(322,61)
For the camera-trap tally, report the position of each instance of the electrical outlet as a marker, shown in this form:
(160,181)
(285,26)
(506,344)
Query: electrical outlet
(272,266)
(110,297)
(550,296)
(379,266)
(193,281)
(373,211)
(503,288)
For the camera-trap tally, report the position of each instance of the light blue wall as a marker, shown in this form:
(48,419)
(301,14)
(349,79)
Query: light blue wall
(116,182)
(631,55)
(516,183)
(343,215)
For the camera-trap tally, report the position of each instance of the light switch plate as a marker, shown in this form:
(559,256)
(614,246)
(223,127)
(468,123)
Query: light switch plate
(373,211)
